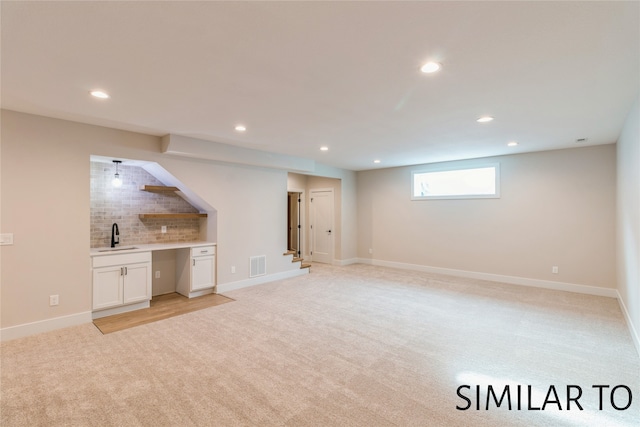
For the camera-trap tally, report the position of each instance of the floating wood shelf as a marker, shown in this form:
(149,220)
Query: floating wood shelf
(158,189)
(172,215)
(166,189)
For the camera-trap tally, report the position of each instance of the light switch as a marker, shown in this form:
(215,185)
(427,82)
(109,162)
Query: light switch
(6,239)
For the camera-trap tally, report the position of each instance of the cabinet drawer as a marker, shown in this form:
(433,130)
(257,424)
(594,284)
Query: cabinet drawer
(121,259)
(203,251)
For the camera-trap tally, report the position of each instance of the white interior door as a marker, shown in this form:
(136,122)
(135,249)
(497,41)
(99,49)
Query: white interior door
(322,226)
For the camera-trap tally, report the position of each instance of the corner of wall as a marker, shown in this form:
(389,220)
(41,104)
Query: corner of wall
(635,337)
(628,220)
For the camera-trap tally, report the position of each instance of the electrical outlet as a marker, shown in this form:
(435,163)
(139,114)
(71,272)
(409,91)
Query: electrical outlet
(54,300)
(370,250)
(157,274)
(554,269)
(233,269)
(163,229)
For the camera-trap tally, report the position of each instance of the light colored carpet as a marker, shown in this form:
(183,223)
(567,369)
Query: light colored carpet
(342,346)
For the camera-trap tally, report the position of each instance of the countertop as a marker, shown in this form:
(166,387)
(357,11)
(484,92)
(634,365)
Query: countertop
(146,248)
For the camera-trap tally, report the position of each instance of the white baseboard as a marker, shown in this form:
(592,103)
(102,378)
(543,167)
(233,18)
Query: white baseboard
(232,286)
(522,281)
(19,331)
(343,262)
(632,330)
(196,294)
(121,309)
(24,330)
(513,280)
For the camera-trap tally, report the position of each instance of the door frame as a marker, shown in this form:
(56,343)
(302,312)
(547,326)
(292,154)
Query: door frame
(333,223)
(302,214)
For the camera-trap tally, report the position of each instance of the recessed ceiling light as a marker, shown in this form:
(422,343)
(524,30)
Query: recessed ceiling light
(324,148)
(484,119)
(376,161)
(512,143)
(99,94)
(241,128)
(430,67)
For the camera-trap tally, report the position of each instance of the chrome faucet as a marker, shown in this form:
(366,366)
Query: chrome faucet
(115,235)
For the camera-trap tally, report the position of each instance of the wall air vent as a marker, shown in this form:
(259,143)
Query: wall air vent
(257,266)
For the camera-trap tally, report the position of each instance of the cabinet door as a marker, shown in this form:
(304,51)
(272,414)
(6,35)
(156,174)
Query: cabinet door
(137,283)
(202,270)
(107,287)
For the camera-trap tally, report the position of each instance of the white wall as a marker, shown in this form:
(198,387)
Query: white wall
(628,220)
(557,208)
(296,182)
(45,203)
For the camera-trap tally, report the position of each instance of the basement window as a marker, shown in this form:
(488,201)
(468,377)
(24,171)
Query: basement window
(480,182)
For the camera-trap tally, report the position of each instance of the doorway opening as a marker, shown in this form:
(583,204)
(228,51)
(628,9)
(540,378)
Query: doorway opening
(294,223)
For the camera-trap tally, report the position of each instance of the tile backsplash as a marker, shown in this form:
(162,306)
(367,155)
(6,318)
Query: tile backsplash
(123,205)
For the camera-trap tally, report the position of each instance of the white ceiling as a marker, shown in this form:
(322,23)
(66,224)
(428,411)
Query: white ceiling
(346,75)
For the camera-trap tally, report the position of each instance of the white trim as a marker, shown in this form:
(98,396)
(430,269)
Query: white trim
(303,215)
(232,286)
(632,330)
(26,329)
(200,293)
(451,168)
(343,262)
(513,280)
(121,309)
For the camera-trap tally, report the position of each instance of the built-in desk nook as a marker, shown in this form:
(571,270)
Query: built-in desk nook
(123,277)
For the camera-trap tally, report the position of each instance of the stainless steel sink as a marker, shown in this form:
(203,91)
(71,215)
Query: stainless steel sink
(123,248)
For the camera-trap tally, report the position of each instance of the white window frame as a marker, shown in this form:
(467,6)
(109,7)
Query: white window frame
(495,195)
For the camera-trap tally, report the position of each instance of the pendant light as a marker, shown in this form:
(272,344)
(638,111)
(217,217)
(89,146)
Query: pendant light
(117,181)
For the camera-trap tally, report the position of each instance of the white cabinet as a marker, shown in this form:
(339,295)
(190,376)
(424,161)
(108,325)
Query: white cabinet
(121,279)
(137,283)
(202,273)
(196,270)
(107,287)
